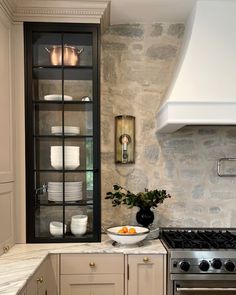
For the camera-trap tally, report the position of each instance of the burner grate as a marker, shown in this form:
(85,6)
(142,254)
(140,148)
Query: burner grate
(191,239)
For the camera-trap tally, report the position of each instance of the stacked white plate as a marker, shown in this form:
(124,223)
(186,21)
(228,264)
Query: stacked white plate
(68,130)
(73,191)
(71,157)
(55,97)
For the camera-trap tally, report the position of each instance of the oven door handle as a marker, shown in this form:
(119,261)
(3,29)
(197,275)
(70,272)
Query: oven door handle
(179,289)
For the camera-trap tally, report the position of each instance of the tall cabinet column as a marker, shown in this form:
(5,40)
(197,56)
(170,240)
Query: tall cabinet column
(6,136)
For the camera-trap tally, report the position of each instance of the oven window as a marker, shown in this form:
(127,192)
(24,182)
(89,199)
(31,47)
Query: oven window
(200,287)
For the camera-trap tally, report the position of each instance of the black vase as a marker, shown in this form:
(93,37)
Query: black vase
(145,216)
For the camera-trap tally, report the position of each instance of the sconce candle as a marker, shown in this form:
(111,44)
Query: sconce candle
(124,139)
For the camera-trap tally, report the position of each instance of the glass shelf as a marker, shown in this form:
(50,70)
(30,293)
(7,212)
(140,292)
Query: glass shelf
(77,203)
(47,44)
(55,73)
(49,153)
(65,136)
(66,212)
(66,103)
(68,238)
(88,67)
(66,171)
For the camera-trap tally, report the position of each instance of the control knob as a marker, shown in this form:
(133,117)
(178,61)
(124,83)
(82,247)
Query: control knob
(216,263)
(184,265)
(229,265)
(204,265)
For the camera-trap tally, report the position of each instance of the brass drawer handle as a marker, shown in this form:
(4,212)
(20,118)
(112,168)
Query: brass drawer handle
(6,249)
(40,280)
(92,264)
(91,293)
(145,259)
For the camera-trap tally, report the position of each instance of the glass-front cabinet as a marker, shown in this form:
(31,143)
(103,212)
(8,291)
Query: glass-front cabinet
(62,132)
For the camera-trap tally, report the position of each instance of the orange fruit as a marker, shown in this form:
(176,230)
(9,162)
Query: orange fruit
(120,231)
(132,230)
(125,229)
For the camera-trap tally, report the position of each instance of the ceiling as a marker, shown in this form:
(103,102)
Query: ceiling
(134,11)
(150,11)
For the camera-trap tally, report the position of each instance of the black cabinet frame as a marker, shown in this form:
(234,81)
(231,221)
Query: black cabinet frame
(30,137)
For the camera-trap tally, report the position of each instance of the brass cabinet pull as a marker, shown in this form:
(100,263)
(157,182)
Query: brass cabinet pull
(92,264)
(6,249)
(40,280)
(146,259)
(91,293)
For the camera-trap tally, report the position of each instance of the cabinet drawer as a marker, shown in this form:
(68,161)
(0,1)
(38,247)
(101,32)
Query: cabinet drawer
(92,284)
(92,263)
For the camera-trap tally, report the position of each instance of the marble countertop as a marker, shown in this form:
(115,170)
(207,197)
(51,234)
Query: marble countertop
(19,264)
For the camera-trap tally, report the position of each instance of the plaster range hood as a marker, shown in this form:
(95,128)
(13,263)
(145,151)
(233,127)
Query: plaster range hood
(203,91)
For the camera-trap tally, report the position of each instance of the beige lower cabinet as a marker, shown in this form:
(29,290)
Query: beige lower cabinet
(23,292)
(99,274)
(146,275)
(44,281)
(92,274)
(6,217)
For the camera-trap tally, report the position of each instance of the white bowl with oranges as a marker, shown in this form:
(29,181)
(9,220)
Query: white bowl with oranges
(128,234)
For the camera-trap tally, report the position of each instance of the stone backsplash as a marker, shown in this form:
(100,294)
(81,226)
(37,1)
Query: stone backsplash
(137,65)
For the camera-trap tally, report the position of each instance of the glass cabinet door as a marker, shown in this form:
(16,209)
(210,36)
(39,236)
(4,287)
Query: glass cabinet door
(62,132)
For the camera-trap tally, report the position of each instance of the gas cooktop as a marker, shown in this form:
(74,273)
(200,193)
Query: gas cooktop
(200,250)
(199,239)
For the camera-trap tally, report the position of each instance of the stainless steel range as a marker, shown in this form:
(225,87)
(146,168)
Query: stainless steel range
(200,261)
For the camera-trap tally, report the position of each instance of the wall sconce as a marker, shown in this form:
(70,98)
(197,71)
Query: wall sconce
(124,139)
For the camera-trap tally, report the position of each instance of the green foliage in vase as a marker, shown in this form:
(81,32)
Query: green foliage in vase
(146,199)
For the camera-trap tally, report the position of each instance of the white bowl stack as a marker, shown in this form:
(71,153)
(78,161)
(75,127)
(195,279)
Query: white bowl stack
(55,97)
(56,228)
(73,191)
(68,130)
(71,156)
(79,224)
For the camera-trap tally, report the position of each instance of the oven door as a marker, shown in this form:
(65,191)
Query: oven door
(206,285)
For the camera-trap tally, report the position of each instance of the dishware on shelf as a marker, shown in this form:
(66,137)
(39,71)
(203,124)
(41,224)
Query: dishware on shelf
(68,130)
(71,157)
(79,224)
(78,219)
(55,97)
(86,98)
(71,55)
(78,230)
(127,238)
(72,191)
(56,228)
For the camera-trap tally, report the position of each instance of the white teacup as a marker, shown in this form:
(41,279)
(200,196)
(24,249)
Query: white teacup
(78,229)
(56,228)
(79,219)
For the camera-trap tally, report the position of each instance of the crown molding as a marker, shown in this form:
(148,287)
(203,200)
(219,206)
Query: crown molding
(58,11)
(7,7)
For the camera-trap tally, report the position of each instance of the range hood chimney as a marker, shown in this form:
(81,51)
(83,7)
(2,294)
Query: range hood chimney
(203,91)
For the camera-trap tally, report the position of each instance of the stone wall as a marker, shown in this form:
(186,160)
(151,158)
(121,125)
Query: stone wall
(137,64)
